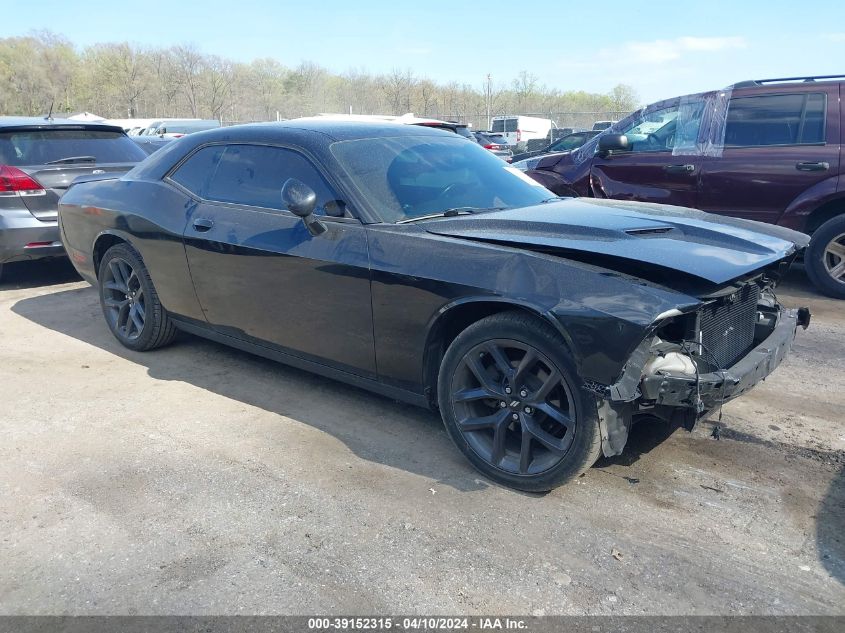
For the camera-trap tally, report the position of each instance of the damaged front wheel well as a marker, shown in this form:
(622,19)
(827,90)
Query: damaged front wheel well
(446,329)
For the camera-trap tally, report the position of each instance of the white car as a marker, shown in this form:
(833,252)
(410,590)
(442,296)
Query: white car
(462,129)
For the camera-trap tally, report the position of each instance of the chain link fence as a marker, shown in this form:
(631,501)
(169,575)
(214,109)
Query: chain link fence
(573,120)
(480,121)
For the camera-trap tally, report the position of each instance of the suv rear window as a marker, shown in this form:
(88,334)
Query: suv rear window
(775,120)
(39,147)
(497,139)
(463,130)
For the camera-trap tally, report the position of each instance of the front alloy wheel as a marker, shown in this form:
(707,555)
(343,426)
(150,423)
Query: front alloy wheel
(824,259)
(510,399)
(513,407)
(834,258)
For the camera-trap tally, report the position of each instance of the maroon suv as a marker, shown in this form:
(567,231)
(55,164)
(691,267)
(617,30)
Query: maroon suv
(765,150)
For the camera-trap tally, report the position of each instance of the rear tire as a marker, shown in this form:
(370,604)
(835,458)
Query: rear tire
(513,403)
(130,303)
(824,260)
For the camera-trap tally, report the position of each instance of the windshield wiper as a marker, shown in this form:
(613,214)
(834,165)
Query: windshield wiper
(451,213)
(73,159)
(553,199)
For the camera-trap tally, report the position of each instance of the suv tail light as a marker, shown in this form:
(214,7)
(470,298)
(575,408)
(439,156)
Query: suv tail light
(518,136)
(491,146)
(13,180)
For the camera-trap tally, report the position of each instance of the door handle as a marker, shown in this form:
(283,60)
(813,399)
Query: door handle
(810,166)
(679,169)
(202,224)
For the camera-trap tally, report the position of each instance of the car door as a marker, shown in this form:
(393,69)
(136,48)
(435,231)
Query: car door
(777,146)
(259,274)
(652,170)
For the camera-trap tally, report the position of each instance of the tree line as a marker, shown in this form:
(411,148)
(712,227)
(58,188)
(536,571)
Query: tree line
(122,80)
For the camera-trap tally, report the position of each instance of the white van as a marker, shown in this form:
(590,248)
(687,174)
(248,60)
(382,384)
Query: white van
(521,129)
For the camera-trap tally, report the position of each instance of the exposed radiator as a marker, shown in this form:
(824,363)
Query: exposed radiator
(727,327)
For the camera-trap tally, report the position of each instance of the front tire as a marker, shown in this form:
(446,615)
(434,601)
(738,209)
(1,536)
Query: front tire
(130,303)
(824,260)
(512,402)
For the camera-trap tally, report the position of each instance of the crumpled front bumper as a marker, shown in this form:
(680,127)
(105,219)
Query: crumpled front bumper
(714,388)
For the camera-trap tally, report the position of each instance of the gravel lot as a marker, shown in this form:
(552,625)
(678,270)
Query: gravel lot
(201,480)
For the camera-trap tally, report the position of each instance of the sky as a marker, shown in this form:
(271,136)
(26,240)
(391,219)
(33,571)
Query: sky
(662,49)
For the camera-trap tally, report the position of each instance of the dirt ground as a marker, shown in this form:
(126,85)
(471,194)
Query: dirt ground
(201,480)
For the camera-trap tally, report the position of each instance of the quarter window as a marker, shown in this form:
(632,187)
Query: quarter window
(793,119)
(252,175)
(195,173)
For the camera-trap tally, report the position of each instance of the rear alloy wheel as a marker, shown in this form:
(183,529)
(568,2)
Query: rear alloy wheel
(509,400)
(825,257)
(130,303)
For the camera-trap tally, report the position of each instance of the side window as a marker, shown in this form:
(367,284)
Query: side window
(784,119)
(657,130)
(254,174)
(195,173)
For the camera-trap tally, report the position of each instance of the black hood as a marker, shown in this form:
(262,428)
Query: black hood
(713,248)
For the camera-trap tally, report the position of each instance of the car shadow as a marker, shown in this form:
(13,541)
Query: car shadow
(643,437)
(373,427)
(830,537)
(37,273)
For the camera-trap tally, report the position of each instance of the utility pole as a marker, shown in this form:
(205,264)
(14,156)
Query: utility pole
(489,100)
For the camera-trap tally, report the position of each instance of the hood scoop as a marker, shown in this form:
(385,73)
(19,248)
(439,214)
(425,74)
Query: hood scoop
(649,231)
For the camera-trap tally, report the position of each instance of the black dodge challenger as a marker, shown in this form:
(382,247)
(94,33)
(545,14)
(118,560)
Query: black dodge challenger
(414,263)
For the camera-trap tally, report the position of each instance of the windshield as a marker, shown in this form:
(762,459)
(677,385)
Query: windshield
(568,142)
(39,147)
(409,177)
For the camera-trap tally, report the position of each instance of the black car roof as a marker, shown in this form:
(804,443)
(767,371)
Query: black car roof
(337,130)
(33,122)
(314,135)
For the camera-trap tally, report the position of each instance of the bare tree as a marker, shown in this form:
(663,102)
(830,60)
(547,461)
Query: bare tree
(120,79)
(218,75)
(397,87)
(188,65)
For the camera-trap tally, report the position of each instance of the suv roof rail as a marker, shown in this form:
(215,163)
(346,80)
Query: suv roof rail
(759,82)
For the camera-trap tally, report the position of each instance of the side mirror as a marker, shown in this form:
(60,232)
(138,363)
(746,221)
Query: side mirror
(301,200)
(612,143)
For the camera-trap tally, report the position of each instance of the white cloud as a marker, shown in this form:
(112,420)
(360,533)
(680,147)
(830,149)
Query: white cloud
(834,37)
(415,50)
(658,68)
(711,43)
(665,50)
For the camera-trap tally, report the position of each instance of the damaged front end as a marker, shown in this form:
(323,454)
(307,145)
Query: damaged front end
(691,363)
